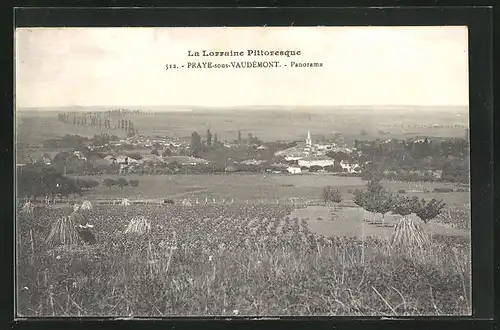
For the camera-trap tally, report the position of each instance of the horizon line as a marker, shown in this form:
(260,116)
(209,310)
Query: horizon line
(193,107)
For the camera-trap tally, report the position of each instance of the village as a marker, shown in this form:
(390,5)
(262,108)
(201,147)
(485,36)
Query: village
(156,155)
(159,155)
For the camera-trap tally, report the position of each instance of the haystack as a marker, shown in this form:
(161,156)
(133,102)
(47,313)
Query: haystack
(28,208)
(125,202)
(87,205)
(63,232)
(138,225)
(410,235)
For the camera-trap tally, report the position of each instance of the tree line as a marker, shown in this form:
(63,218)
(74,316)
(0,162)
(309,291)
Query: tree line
(399,158)
(35,181)
(199,145)
(96,119)
(376,199)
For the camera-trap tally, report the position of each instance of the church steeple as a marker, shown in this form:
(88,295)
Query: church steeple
(308,140)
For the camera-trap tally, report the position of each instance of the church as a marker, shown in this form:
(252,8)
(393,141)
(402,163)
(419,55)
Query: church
(307,154)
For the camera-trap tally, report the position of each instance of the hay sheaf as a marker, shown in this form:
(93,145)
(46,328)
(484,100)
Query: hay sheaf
(138,225)
(87,205)
(410,235)
(63,232)
(28,208)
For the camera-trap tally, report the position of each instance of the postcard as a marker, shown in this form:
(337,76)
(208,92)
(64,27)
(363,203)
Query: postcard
(242,171)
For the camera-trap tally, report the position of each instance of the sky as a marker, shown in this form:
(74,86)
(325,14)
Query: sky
(421,66)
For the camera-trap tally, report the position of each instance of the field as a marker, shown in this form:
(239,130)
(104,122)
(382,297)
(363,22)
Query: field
(232,260)
(266,187)
(269,125)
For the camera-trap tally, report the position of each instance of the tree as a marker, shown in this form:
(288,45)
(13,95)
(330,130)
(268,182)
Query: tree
(358,197)
(383,203)
(38,180)
(331,195)
(121,182)
(87,184)
(403,205)
(376,199)
(209,138)
(155,152)
(239,137)
(66,186)
(427,211)
(374,186)
(134,183)
(108,182)
(195,144)
(215,139)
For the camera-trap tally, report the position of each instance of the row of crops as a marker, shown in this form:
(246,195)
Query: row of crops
(217,259)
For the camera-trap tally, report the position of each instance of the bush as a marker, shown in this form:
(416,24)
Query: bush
(331,195)
(168,201)
(315,168)
(121,182)
(134,183)
(401,191)
(443,190)
(109,183)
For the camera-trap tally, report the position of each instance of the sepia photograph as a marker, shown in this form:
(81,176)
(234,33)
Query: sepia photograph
(242,171)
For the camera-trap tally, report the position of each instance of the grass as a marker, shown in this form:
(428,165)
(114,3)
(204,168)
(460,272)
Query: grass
(356,222)
(238,259)
(250,187)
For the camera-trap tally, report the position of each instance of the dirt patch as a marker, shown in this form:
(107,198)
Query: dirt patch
(356,222)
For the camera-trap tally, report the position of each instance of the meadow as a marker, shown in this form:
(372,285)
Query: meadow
(256,259)
(266,187)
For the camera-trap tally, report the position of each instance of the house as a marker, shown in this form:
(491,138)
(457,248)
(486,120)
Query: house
(231,145)
(46,160)
(323,146)
(79,154)
(122,159)
(437,174)
(294,170)
(350,168)
(253,162)
(316,161)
